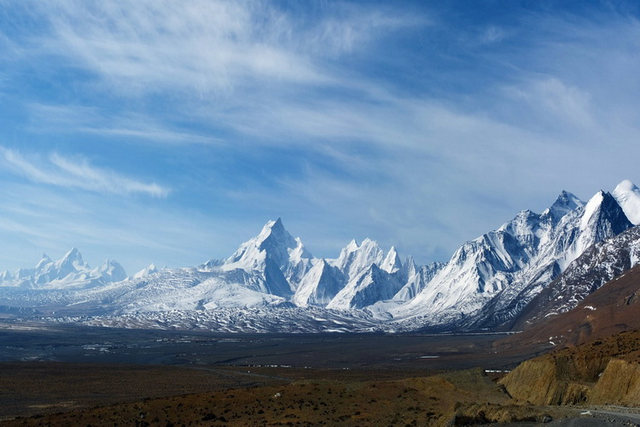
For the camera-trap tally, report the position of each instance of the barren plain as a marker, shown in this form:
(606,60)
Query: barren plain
(62,375)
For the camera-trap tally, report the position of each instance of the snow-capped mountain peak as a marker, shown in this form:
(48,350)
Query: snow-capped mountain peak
(565,203)
(274,257)
(392,262)
(628,196)
(73,258)
(603,206)
(354,258)
(43,261)
(148,270)
(274,242)
(591,209)
(110,270)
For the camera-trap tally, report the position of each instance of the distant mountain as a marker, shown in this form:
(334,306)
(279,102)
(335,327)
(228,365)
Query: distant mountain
(489,282)
(275,260)
(69,272)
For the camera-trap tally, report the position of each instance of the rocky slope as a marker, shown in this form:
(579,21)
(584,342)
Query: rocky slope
(598,265)
(611,309)
(604,371)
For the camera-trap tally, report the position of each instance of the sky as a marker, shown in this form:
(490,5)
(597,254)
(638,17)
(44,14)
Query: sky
(171,131)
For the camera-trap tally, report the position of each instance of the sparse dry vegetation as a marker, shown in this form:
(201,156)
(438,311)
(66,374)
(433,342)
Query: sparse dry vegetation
(436,400)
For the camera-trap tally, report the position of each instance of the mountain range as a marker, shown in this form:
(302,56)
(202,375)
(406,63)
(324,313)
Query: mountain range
(531,267)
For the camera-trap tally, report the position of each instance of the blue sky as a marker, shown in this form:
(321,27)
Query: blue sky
(170,131)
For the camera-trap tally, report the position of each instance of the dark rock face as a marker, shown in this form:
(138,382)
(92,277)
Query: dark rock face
(598,265)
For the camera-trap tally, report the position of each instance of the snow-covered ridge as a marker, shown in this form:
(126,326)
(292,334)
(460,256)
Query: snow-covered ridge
(69,272)
(487,281)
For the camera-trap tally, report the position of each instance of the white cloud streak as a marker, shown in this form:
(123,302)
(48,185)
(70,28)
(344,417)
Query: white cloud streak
(209,47)
(70,119)
(63,172)
(553,109)
(206,46)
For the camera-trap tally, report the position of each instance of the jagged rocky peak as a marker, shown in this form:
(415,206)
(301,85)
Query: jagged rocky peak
(368,249)
(354,258)
(275,237)
(73,257)
(274,242)
(565,203)
(392,262)
(627,194)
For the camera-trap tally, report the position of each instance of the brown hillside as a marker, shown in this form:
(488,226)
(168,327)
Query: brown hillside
(600,372)
(613,308)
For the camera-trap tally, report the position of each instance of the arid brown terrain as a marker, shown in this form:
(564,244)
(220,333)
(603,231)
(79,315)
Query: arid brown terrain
(91,376)
(601,372)
(433,400)
(63,375)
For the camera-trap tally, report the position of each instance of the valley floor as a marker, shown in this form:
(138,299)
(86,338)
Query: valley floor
(67,375)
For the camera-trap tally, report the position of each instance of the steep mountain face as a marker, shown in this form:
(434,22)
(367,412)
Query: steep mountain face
(369,275)
(69,272)
(366,289)
(488,282)
(598,265)
(492,278)
(320,285)
(275,259)
(612,309)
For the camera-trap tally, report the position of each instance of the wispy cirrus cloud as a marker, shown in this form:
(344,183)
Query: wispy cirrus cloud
(60,171)
(202,46)
(429,125)
(70,119)
(211,48)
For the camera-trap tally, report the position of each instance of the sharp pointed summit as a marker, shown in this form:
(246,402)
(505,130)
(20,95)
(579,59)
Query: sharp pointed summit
(274,242)
(73,257)
(565,203)
(392,262)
